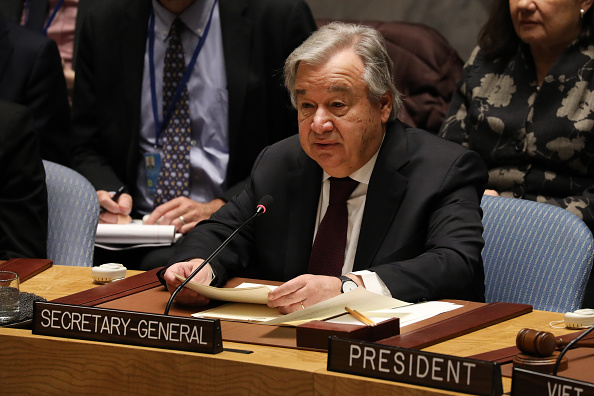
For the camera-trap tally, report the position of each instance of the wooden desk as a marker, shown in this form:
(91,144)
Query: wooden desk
(31,364)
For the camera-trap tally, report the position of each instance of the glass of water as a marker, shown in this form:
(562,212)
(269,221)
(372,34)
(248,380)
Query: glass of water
(9,297)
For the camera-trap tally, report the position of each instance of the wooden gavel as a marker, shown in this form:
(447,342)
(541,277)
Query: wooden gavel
(543,343)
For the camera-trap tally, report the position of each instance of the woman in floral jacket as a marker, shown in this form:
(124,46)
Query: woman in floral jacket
(526,103)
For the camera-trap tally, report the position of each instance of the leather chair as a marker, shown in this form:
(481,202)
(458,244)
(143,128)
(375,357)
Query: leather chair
(427,69)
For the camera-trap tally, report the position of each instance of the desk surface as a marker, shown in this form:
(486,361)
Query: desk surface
(48,365)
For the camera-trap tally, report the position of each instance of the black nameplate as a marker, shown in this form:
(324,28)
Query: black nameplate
(526,382)
(127,327)
(414,367)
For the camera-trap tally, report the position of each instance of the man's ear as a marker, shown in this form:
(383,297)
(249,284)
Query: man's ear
(386,106)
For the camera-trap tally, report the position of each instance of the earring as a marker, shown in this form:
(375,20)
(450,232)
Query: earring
(582,12)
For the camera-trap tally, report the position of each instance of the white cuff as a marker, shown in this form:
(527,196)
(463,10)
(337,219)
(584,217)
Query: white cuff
(373,283)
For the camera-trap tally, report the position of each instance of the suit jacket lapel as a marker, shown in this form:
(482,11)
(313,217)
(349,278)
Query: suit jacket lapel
(5,48)
(131,45)
(13,9)
(237,31)
(304,192)
(38,12)
(386,188)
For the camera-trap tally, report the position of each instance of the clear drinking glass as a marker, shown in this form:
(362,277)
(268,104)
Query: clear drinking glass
(9,297)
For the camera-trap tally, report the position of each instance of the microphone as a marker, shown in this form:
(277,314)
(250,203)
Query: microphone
(265,202)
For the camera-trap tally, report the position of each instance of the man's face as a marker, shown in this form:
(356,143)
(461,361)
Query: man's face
(338,126)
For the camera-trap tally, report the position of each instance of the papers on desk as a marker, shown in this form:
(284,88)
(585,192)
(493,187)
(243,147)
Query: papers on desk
(359,299)
(241,312)
(134,235)
(408,314)
(375,306)
(245,293)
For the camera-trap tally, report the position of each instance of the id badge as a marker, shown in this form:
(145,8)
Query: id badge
(152,162)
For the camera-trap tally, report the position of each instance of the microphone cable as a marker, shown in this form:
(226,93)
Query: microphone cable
(568,347)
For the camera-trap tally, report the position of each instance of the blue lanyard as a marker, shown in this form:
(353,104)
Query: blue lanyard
(52,16)
(50,19)
(159,127)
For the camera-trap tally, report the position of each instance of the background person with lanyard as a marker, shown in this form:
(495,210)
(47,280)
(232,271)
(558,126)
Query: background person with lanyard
(230,104)
(55,19)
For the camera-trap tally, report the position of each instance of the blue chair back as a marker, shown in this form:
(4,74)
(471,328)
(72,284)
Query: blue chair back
(535,253)
(73,216)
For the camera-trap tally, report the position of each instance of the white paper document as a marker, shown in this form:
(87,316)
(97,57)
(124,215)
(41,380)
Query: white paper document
(248,304)
(241,312)
(245,293)
(408,314)
(358,299)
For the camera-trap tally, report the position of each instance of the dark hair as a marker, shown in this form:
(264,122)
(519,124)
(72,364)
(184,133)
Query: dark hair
(498,38)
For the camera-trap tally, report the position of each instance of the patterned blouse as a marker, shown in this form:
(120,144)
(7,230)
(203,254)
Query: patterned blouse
(538,144)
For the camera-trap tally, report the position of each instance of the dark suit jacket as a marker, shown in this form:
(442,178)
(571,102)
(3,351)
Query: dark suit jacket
(421,229)
(38,12)
(12,9)
(23,194)
(31,74)
(258,35)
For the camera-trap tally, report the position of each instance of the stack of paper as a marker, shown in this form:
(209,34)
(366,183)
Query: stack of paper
(249,305)
(133,235)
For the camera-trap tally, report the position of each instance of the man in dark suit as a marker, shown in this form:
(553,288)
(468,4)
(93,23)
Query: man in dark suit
(13,9)
(23,194)
(414,219)
(35,14)
(31,75)
(236,99)
(58,22)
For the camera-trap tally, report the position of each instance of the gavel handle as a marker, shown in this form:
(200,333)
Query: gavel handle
(580,344)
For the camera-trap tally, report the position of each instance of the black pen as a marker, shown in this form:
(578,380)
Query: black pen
(115,197)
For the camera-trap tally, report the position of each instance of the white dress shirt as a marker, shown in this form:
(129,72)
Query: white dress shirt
(208,103)
(355,207)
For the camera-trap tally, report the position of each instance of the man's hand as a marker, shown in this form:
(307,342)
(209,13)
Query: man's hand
(187,296)
(115,212)
(491,192)
(69,76)
(307,290)
(183,213)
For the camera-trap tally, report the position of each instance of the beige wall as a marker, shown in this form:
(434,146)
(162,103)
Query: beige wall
(458,20)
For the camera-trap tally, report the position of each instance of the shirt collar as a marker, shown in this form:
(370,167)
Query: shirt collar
(195,17)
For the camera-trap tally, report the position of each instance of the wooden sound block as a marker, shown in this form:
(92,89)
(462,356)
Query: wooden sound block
(315,334)
(540,364)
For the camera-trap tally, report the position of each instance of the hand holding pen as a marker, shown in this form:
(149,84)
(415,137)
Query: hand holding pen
(115,197)
(116,208)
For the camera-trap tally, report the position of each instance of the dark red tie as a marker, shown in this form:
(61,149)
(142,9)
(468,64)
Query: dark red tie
(327,252)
